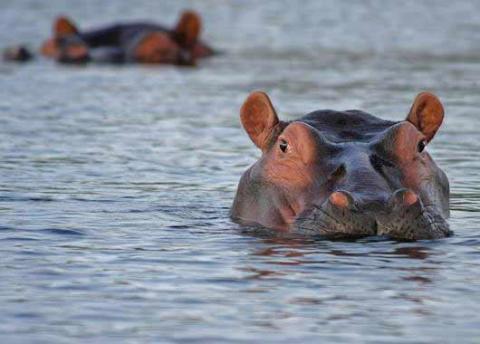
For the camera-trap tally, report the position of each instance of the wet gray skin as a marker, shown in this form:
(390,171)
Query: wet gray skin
(344,174)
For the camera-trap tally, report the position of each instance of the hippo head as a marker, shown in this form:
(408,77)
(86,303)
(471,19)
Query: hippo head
(66,45)
(344,174)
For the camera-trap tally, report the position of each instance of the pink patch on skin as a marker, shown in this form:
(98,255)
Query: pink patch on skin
(339,199)
(409,198)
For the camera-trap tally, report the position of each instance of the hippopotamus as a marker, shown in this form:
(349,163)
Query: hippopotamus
(17,53)
(344,174)
(136,42)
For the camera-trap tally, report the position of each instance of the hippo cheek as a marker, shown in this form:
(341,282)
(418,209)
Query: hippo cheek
(156,47)
(417,176)
(415,165)
(76,53)
(293,195)
(49,48)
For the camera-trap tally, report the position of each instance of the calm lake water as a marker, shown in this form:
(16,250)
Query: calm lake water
(115,182)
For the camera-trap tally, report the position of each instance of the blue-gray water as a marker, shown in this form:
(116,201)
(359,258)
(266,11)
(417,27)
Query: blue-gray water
(115,182)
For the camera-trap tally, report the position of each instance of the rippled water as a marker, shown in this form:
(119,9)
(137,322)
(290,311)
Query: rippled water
(115,182)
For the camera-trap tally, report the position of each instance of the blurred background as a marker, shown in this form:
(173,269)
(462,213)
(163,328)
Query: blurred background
(116,181)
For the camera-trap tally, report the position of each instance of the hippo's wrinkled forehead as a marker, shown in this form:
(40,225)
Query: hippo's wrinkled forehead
(346,126)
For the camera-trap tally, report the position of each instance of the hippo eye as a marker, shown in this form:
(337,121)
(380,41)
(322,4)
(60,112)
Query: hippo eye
(421,146)
(283,145)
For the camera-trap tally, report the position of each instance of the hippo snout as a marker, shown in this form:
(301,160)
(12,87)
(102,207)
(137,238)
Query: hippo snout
(402,217)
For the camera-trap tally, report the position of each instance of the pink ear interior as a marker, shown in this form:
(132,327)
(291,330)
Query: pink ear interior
(259,118)
(63,26)
(426,114)
(188,29)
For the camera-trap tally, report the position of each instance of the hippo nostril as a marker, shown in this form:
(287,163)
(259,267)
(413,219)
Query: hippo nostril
(338,173)
(342,199)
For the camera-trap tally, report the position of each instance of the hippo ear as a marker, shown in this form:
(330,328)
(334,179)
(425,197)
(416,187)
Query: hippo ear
(426,114)
(188,29)
(63,26)
(259,118)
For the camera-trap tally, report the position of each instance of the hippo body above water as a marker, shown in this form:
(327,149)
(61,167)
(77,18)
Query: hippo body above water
(344,174)
(136,42)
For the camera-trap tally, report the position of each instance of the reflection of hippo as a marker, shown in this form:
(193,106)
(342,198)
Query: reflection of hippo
(133,42)
(344,174)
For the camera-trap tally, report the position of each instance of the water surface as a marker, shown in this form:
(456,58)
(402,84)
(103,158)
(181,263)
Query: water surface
(115,182)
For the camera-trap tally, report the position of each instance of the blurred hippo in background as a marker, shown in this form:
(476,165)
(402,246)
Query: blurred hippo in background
(17,53)
(344,174)
(139,42)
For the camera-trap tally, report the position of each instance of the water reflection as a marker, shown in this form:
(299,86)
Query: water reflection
(376,268)
(413,252)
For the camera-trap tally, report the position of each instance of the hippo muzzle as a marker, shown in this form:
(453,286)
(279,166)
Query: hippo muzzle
(404,217)
(344,174)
